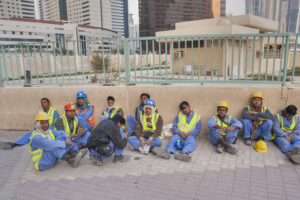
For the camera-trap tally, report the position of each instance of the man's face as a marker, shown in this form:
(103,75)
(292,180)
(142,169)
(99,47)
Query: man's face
(256,102)
(110,103)
(148,110)
(80,101)
(288,116)
(222,111)
(44,104)
(44,125)
(70,114)
(119,124)
(186,109)
(143,99)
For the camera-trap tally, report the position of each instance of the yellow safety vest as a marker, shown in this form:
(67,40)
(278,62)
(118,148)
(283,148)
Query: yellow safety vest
(115,110)
(218,121)
(264,109)
(66,124)
(37,154)
(50,114)
(287,129)
(185,127)
(153,122)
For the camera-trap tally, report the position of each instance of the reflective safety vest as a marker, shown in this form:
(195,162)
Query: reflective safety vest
(66,124)
(37,154)
(224,124)
(292,126)
(183,126)
(50,113)
(153,122)
(141,112)
(115,110)
(264,109)
(91,119)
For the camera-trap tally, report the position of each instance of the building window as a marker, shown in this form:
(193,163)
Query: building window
(21,33)
(30,33)
(13,32)
(4,32)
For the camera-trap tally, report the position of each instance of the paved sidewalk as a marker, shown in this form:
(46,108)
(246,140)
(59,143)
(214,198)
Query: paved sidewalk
(248,175)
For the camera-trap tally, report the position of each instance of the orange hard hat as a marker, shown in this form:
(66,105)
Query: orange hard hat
(70,106)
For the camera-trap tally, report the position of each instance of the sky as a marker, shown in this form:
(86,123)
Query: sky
(134,9)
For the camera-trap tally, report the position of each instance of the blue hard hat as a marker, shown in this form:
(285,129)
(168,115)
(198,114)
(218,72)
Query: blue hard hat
(150,102)
(81,94)
(179,144)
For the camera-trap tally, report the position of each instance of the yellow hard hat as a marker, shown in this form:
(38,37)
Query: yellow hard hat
(257,95)
(223,104)
(42,116)
(261,146)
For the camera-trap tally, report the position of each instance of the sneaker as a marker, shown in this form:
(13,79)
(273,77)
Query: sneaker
(183,157)
(219,148)
(295,158)
(295,151)
(83,151)
(247,141)
(121,158)
(74,159)
(230,149)
(7,145)
(97,160)
(160,153)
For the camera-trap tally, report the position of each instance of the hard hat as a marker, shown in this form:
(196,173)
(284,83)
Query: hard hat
(223,104)
(261,146)
(42,116)
(150,102)
(179,144)
(257,95)
(70,106)
(81,94)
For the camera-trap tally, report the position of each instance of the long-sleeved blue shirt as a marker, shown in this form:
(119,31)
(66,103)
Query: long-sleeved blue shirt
(286,123)
(233,122)
(266,115)
(83,117)
(193,132)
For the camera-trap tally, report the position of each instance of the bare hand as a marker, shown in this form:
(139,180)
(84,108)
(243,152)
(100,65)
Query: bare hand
(148,142)
(262,119)
(224,129)
(250,112)
(187,134)
(69,142)
(142,142)
(230,129)
(288,138)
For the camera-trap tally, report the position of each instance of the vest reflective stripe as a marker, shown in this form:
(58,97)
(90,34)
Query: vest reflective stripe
(115,110)
(264,109)
(185,127)
(66,124)
(292,126)
(37,154)
(91,119)
(218,121)
(50,113)
(153,122)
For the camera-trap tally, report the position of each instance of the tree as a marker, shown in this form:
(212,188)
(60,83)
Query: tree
(97,62)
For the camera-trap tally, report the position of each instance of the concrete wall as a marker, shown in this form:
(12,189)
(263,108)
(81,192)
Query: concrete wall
(18,106)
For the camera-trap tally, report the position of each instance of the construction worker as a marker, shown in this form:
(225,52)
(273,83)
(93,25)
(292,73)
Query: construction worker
(112,109)
(148,130)
(286,131)
(132,121)
(257,120)
(108,138)
(71,125)
(84,111)
(47,146)
(223,129)
(186,127)
(53,115)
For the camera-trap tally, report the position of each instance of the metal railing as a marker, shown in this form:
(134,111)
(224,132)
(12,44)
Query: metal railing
(237,58)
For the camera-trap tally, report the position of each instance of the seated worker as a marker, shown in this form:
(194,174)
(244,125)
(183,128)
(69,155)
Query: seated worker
(286,131)
(71,125)
(132,121)
(47,146)
(108,138)
(148,130)
(186,127)
(53,115)
(112,109)
(84,110)
(257,120)
(223,129)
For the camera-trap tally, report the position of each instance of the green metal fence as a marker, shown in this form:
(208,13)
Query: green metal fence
(239,58)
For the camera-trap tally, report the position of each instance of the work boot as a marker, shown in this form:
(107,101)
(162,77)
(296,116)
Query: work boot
(121,158)
(7,145)
(294,151)
(295,158)
(83,151)
(183,157)
(247,141)
(97,160)
(230,149)
(74,159)
(131,147)
(219,148)
(160,153)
